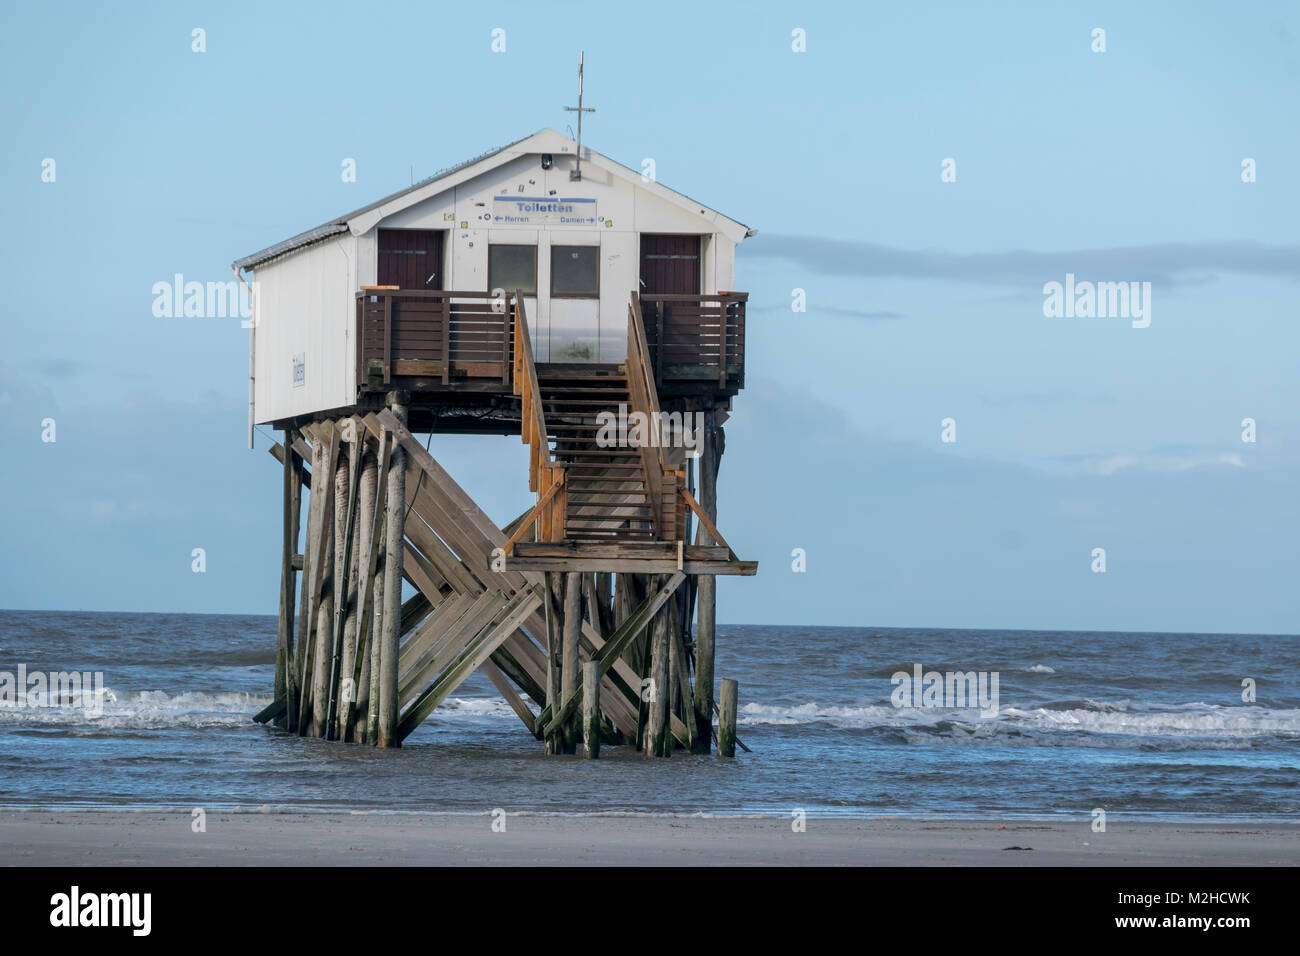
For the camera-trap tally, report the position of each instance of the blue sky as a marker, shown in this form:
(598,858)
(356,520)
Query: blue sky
(924,297)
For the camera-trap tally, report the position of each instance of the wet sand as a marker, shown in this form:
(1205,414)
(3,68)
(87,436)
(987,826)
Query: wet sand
(253,838)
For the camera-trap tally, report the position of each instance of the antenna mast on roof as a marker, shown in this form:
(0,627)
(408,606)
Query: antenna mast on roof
(575,174)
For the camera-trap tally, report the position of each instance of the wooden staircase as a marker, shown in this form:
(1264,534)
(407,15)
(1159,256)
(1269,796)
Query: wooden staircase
(609,494)
(607,497)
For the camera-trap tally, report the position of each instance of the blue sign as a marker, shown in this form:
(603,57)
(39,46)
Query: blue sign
(525,210)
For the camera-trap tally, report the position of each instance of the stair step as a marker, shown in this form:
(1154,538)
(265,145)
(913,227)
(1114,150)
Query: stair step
(592,442)
(562,376)
(608,503)
(589,536)
(587,496)
(593,457)
(550,386)
(599,466)
(595,451)
(602,497)
(550,394)
(596,508)
(603,524)
(577,401)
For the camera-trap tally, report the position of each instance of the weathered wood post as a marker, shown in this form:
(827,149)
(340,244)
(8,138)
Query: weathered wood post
(658,741)
(554,653)
(679,677)
(712,443)
(339,586)
(322,576)
(624,603)
(365,586)
(320,663)
(727,718)
(569,675)
(371,728)
(604,581)
(591,709)
(284,659)
(306,597)
(394,531)
(347,690)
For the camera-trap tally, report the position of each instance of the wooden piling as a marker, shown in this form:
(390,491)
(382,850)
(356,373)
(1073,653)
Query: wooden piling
(727,718)
(323,645)
(379,537)
(658,742)
(705,630)
(320,663)
(284,671)
(395,515)
(371,722)
(345,680)
(706,584)
(604,612)
(678,676)
(352,712)
(569,676)
(624,602)
(591,709)
(320,544)
(554,653)
(306,605)
(344,516)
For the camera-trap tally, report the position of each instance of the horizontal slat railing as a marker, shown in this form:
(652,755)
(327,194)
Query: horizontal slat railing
(443,335)
(409,332)
(696,337)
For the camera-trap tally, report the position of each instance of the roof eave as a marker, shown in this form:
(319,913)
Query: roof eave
(290,245)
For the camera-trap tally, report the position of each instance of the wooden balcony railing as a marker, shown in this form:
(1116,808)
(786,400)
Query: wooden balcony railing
(696,337)
(433,335)
(455,336)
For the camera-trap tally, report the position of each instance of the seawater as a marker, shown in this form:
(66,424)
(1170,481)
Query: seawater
(1142,725)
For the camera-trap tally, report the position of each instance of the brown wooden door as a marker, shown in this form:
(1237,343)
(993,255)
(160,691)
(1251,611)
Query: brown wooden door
(411,258)
(670,265)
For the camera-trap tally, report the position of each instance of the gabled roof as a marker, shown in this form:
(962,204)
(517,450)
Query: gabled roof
(544,141)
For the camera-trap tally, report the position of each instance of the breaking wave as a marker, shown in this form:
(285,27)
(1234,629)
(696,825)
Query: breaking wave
(1118,719)
(157,710)
(142,710)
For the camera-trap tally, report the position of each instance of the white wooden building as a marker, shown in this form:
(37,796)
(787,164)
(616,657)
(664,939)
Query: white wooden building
(512,219)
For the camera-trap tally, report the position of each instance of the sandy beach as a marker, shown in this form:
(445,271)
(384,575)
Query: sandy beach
(253,838)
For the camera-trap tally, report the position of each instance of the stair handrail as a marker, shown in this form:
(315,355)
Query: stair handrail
(644,397)
(543,474)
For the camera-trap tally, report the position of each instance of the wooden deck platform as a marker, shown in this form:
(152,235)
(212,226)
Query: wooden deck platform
(636,557)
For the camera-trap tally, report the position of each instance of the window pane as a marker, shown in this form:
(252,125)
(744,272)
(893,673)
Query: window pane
(512,267)
(575,270)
